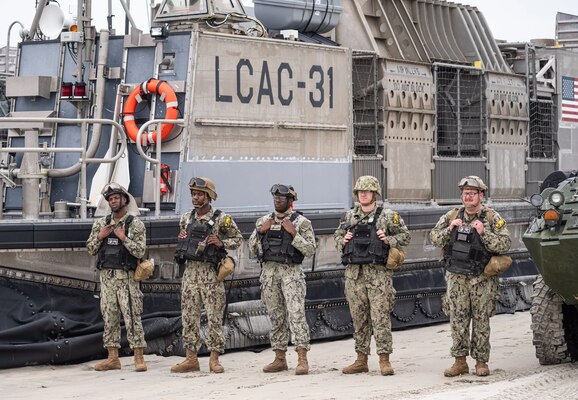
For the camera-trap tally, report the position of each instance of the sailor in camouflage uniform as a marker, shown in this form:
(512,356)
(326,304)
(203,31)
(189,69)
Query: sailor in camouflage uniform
(281,240)
(207,233)
(364,237)
(119,241)
(470,236)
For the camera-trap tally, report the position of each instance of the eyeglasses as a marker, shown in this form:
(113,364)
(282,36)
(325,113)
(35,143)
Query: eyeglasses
(198,182)
(281,189)
(470,194)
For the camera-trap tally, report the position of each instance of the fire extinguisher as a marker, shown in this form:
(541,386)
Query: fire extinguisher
(165,179)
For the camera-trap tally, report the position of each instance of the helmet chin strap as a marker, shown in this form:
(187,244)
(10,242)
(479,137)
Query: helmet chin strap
(121,207)
(207,201)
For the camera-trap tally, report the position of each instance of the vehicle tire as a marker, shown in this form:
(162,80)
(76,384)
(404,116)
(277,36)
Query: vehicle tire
(548,325)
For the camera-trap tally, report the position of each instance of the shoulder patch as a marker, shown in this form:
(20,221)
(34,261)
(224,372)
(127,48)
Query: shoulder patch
(395,218)
(500,223)
(227,221)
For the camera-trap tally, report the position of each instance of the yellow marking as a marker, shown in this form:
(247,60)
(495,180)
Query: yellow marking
(227,221)
(396,218)
(500,223)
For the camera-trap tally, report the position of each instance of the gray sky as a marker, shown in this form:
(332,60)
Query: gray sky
(512,20)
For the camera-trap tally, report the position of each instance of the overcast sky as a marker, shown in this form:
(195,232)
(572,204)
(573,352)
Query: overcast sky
(512,20)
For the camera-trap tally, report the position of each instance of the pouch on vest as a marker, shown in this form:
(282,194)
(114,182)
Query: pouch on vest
(112,254)
(465,253)
(186,248)
(365,247)
(274,238)
(462,245)
(181,250)
(498,265)
(226,268)
(395,258)
(144,270)
(362,239)
(276,244)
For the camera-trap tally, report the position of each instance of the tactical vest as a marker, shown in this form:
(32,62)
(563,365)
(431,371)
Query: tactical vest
(277,246)
(112,254)
(465,253)
(365,247)
(193,247)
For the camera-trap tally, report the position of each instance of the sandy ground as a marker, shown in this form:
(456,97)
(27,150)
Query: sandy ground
(419,358)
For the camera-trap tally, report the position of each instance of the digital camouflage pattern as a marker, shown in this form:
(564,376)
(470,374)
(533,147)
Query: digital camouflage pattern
(367,183)
(369,287)
(496,236)
(472,298)
(390,222)
(119,292)
(199,288)
(283,287)
(135,242)
(371,297)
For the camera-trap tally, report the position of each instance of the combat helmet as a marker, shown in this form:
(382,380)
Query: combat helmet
(280,189)
(367,183)
(473,182)
(115,188)
(203,185)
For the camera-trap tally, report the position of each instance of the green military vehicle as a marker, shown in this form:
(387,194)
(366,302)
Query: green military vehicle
(552,240)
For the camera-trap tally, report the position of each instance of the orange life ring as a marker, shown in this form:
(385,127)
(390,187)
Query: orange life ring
(166,93)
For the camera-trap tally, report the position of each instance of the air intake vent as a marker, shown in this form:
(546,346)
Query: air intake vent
(318,16)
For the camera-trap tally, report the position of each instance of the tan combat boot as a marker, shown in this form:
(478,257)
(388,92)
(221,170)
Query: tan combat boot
(460,367)
(384,364)
(191,363)
(279,363)
(214,365)
(139,362)
(360,365)
(302,364)
(112,362)
(482,369)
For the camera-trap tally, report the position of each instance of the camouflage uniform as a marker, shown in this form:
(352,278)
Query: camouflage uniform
(369,287)
(200,287)
(119,292)
(472,298)
(283,286)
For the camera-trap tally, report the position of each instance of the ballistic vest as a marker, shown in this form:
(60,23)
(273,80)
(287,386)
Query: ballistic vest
(465,253)
(112,254)
(193,247)
(277,246)
(365,247)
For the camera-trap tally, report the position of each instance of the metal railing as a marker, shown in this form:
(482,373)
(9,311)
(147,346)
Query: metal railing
(155,161)
(84,160)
